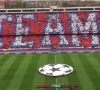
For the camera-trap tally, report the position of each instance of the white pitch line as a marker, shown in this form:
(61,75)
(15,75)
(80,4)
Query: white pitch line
(55,63)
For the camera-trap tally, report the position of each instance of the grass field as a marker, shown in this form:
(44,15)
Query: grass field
(20,72)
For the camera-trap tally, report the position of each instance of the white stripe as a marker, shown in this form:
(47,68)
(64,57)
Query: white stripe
(55,63)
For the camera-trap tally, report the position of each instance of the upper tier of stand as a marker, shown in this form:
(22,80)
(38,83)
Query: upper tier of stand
(52,9)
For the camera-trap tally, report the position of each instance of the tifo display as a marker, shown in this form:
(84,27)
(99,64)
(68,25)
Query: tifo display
(38,30)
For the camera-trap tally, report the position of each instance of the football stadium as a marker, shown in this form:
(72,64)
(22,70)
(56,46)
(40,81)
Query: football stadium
(49,45)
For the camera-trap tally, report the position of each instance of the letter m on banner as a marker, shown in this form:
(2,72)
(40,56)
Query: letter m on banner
(84,22)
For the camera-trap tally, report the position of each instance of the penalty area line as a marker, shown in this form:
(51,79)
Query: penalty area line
(55,63)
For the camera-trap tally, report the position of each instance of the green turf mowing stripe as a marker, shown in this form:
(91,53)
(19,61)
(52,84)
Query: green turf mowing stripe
(39,79)
(27,82)
(61,80)
(50,80)
(17,79)
(82,74)
(91,70)
(94,62)
(73,78)
(4,59)
(1,56)
(96,56)
(6,79)
(7,65)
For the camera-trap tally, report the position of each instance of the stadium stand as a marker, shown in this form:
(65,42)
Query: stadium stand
(50,30)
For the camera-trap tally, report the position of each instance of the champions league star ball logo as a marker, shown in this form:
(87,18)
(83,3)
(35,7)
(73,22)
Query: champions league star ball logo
(56,70)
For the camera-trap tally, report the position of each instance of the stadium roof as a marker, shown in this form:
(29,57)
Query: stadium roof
(49,0)
(59,0)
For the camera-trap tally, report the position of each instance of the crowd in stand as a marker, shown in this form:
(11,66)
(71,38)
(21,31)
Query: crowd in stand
(50,30)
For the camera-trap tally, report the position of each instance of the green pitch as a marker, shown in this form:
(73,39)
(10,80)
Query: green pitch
(20,72)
